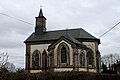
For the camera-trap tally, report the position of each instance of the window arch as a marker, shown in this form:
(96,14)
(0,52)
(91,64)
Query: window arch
(63,55)
(82,58)
(36,59)
(90,57)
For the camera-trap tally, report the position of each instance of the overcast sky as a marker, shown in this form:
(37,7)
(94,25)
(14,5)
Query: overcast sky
(94,16)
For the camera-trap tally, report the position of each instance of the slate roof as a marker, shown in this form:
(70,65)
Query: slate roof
(68,36)
(54,35)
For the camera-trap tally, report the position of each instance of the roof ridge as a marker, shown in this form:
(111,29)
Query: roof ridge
(77,33)
(64,30)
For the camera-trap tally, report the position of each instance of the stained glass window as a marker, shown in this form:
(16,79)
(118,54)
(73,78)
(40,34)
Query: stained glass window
(63,55)
(82,58)
(36,59)
(90,57)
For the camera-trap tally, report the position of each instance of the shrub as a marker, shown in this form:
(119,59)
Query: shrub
(59,76)
(20,70)
(3,70)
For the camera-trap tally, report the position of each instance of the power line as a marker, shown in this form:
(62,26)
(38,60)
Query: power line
(16,18)
(33,24)
(109,30)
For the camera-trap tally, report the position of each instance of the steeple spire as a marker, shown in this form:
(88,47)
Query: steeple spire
(40,13)
(40,27)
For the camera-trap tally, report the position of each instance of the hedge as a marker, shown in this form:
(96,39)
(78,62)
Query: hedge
(59,76)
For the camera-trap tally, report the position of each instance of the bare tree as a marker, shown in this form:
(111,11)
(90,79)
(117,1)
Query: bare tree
(110,59)
(3,59)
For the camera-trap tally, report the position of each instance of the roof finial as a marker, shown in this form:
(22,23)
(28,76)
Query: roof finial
(40,6)
(66,30)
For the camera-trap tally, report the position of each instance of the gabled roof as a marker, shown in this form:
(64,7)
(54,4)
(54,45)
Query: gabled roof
(68,38)
(72,39)
(54,35)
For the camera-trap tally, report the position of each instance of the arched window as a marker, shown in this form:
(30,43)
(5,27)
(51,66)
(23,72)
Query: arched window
(82,58)
(90,57)
(63,55)
(36,59)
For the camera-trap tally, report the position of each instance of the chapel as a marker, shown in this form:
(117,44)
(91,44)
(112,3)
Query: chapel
(61,50)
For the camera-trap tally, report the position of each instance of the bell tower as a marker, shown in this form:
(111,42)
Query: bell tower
(40,27)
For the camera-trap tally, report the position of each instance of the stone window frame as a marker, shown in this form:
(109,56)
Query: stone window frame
(82,58)
(90,57)
(33,55)
(59,64)
(63,55)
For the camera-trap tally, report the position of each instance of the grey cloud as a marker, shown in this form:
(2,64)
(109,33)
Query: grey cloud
(94,16)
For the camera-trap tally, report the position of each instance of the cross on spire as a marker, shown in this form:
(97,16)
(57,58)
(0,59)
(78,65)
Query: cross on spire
(40,6)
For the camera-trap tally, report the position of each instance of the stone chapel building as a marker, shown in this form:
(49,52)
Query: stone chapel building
(61,50)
